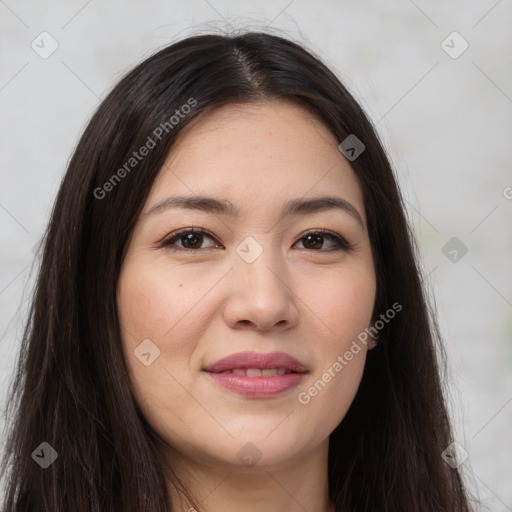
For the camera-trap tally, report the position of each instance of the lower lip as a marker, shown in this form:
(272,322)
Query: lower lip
(258,387)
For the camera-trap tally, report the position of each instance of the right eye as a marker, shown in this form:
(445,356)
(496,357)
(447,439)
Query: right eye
(190,238)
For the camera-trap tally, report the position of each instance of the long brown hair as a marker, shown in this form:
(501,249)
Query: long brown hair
(71,389)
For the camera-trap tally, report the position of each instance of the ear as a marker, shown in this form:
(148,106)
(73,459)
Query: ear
(373,340)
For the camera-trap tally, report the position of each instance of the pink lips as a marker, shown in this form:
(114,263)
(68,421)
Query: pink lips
(280,372)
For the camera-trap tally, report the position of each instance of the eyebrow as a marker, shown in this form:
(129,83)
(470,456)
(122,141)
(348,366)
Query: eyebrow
(224,207)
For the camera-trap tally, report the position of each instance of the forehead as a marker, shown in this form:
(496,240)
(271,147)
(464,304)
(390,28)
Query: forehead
(271,150)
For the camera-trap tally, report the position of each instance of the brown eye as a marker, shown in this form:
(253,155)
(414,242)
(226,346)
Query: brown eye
(191,240)
(314,241)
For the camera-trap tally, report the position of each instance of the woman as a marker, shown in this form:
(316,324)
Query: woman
(229,313)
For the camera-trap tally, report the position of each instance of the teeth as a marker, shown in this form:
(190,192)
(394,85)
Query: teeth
(257,372)
(253,372)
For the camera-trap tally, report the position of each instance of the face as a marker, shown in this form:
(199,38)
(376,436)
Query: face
(203,280)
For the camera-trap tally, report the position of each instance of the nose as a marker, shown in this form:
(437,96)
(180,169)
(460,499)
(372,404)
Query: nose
(260,295)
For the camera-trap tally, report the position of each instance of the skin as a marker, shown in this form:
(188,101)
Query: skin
(307,300)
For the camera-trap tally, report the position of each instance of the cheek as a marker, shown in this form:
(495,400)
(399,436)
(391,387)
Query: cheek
(153,303)
(341,307)
(343,304)
(145,303)
(148,310)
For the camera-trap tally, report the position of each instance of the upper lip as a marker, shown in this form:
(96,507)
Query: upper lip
(263,361)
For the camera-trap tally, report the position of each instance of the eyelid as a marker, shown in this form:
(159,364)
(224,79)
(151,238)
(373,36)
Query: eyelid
(340,242)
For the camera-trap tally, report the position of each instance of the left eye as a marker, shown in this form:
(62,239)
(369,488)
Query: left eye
(192,239)
(313,237)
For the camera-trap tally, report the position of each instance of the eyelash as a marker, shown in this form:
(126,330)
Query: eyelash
(341,244)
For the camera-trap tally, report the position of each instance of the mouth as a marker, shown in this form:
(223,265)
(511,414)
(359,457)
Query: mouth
(258,372)
(257,375)
(253,362)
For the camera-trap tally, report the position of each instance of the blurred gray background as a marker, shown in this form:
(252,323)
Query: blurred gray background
(436,79)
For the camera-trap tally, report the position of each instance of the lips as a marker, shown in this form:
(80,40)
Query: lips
(255,364)
(256,375)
